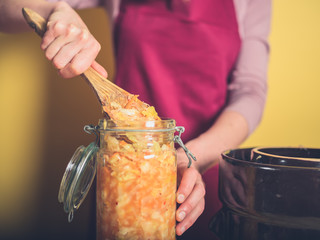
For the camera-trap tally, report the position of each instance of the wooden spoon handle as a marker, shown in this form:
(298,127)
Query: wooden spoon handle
(39,24)
(100,85)
(35,21)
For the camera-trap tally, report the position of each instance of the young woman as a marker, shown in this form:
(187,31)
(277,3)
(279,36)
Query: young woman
(203,63)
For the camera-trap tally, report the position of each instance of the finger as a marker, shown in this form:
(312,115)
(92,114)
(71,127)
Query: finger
(187,183)
(61,51)
(96,66)
(67,48)
(81,62)
(190,218)
(74,39)
(53,30)
(191,202)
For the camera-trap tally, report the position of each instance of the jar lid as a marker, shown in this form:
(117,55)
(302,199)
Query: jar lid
(78,178)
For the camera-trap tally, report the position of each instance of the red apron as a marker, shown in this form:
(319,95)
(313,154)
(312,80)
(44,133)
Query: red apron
(177,56)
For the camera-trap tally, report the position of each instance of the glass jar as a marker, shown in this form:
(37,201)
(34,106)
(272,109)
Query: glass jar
(136,170)
(136,180)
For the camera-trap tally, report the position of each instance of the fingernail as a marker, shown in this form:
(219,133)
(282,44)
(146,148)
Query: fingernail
(182,229)
(181,215)
(180,198)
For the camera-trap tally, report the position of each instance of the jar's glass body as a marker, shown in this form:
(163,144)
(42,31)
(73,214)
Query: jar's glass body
(136,180)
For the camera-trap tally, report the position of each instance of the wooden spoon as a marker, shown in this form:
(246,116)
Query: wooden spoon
(106,91)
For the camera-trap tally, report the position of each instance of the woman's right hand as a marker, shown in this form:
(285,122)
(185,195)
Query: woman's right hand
(69,44)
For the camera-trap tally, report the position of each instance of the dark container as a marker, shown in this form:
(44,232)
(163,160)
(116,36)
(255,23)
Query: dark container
(288,156)
(266,201)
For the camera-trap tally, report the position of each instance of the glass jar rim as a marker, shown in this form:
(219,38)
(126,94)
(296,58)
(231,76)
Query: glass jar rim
(162,125)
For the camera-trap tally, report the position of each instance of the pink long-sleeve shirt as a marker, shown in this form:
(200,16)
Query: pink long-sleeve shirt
(247,88)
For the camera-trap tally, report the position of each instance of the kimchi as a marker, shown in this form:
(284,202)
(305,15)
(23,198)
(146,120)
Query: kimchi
(136,176)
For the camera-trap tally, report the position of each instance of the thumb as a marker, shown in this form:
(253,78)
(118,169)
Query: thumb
(96,66)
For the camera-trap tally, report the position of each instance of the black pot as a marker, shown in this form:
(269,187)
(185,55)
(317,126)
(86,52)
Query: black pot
(266,201)
(288,156)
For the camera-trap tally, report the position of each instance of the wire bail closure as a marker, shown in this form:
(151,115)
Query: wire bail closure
(177,139)
(79,174)
(92,129)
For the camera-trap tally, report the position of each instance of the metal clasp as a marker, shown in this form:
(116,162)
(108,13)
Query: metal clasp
(177,139)
(92,129)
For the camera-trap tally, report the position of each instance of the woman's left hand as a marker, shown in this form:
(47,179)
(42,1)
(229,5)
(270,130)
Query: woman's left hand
(190,194)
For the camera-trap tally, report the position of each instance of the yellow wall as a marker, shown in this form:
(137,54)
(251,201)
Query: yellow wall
(42,120)
(292,114)
(42,116)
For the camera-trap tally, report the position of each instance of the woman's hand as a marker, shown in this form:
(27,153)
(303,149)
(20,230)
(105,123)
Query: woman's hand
(69,44)
(190,194)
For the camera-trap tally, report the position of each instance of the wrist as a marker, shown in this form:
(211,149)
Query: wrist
(205,156)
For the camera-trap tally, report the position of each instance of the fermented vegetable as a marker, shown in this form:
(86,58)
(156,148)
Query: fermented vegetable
(136,177)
